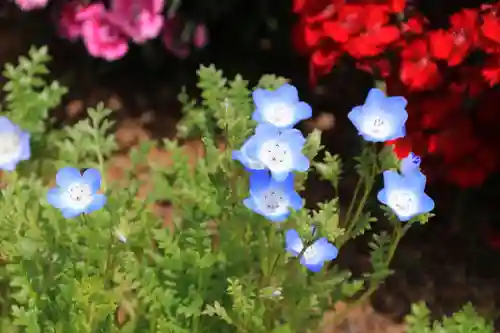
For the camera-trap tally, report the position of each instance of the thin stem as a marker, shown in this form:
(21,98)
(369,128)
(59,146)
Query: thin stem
(353,200)
(398,233)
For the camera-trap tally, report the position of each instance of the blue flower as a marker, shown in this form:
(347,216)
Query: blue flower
(281,108)
(404,194)
(76,193)
(14,145)
(315,255)
(410,164)
(242,156)
(279,150)
(270,198)
(381,118)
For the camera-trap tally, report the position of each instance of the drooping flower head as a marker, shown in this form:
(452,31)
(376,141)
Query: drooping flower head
(315,255)
(279,150)
(281,108)
(270,198)
(76,193)
(14,145)
(405,195)
(381,118)
(410,164)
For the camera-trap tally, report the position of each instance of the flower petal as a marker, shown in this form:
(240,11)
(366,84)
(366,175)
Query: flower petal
(295,200)
(392,179)
(93,178)
(260,97)
(382,196)
(326,251)
(303,111)
(69,213)
(375,97)
(25,146)
(315,268)
(6,125)
(67,175)
(54,198)
(355,116)
(293,242)
(259,181)
(301,162)
(426,204)
(287,93)
(96,204)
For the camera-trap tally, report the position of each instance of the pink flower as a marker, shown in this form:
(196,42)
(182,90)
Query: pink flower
(27,5)
(100,36)
(172,38)
(68,25)
(141,20)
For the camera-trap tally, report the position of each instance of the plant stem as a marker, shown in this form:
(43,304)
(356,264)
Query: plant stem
(398,233)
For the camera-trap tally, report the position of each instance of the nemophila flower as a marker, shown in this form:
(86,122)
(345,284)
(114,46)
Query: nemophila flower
(281,108)
(14,145)
(404,194)
(279,150)
(410,164)
(242,156)
(76,193)
(381,118)
(315,255)
(270,198)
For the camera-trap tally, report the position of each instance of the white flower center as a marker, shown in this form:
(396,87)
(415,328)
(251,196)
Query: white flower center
(276,155)
(10,147)
(310,255)
(79,195)
(273,202)
(376,127)
(279,114)
(403,203)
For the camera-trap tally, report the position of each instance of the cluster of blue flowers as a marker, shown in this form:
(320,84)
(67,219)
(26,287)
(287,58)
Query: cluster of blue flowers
(382,119)
(271,156)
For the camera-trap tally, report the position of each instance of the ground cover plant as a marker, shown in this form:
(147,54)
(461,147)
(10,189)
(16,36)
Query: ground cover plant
(82,253)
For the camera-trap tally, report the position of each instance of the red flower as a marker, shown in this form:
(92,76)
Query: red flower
(379,68)
(306,36)
(418,71)
(454,45)
(349,22)
(491,70)
(414,24)
(376,34)
(397,6)
(490,30)
(322,61)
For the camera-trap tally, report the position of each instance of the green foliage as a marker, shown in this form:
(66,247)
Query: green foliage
(464,321)
(220,268)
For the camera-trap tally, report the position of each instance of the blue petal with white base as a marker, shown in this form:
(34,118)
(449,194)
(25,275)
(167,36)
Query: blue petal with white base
(14,145)
(381,118)
(270,198)
(281,108)
(278,150)
(405,195)
(315,255)
(242,156)
(75,193)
